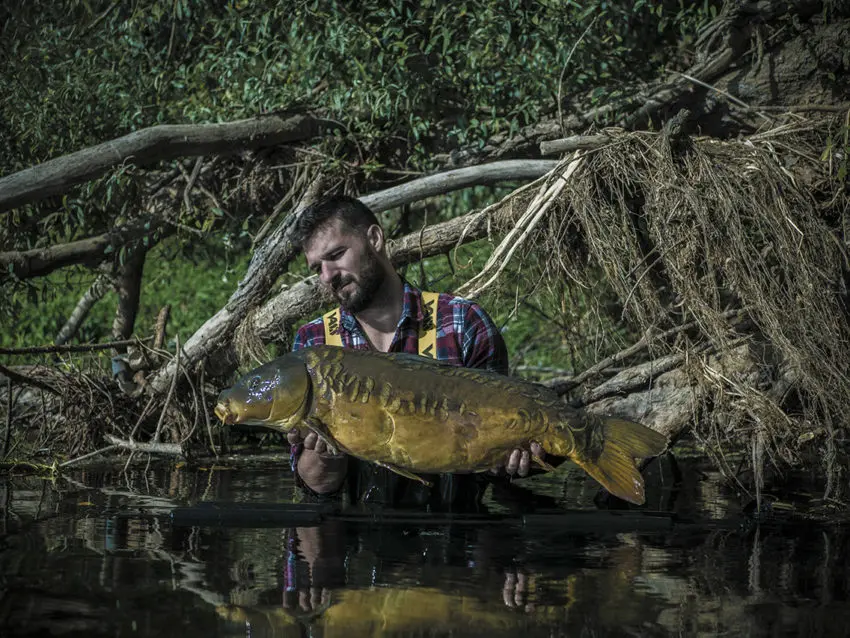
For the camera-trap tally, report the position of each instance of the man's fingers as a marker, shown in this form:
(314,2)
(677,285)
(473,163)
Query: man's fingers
(524,463)
(515,591)
(293,436)
(521,590)
(537,450)
(310,441)
(512,465)
(508,589)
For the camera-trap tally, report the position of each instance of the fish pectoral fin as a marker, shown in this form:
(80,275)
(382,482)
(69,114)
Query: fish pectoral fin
(546,466)
(404,473)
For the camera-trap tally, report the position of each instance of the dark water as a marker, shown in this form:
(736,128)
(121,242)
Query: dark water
(102,555)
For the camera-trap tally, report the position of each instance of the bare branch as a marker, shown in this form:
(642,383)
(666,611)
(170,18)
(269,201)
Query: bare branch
(156,143)
(573,143)
(91,251)
(173,449)
(79,459)
(94,294)
(90,347)
(448,181)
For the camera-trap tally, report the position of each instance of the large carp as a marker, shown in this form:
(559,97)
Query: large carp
(415,415)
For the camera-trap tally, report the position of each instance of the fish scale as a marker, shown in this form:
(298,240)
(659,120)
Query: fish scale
(414,415)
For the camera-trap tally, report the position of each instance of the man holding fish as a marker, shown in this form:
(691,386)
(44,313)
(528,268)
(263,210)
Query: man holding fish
(345,246)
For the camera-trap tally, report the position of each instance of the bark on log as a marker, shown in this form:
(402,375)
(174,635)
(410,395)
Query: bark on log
(171,449)
(129,287)
(94,294)
(90,251)
(148,145)
(573,143)
(448,181)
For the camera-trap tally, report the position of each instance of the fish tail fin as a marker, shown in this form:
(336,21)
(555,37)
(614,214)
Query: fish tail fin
(612,462)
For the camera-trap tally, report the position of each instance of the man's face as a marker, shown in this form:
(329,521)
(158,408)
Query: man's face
(347,263)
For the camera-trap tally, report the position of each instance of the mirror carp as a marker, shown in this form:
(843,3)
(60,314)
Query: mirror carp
(416,415)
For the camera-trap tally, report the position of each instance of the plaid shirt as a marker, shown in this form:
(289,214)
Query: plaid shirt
(466,335)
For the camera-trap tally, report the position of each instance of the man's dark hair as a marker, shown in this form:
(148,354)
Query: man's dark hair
(351,211)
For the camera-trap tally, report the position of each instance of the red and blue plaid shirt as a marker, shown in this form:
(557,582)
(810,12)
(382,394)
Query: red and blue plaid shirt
(466,335)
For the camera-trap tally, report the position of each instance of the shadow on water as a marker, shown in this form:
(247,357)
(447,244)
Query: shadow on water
(218,552)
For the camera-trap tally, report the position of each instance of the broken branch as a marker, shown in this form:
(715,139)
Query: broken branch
(172,449)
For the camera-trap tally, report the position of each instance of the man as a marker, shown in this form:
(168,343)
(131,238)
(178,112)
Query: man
(345,246)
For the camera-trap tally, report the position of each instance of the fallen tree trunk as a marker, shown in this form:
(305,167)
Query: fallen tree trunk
(448,181)
(152,144)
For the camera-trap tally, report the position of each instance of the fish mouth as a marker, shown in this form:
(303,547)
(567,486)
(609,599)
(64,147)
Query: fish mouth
(222,411)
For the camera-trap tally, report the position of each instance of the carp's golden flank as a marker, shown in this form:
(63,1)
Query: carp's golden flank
(415,415)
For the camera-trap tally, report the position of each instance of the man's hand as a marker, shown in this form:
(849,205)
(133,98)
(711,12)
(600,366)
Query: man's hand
(515,591)
(320,469)
(322,548)
(519,461)
(310,442)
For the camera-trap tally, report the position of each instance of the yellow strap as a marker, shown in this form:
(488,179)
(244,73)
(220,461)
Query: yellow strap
(428,329)
(332,334)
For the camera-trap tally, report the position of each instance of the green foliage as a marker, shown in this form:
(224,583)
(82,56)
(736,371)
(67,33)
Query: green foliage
(406,80)
(196,284)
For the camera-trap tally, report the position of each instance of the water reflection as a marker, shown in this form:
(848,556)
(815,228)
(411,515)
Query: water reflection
(100,554)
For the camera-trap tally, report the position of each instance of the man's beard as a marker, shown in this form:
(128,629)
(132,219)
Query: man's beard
(363,293)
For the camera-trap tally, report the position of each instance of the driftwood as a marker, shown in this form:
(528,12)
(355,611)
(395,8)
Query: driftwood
(171,449)
(152,144)
(573,143)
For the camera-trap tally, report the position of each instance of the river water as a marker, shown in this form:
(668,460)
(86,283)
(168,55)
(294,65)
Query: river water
(222,551)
